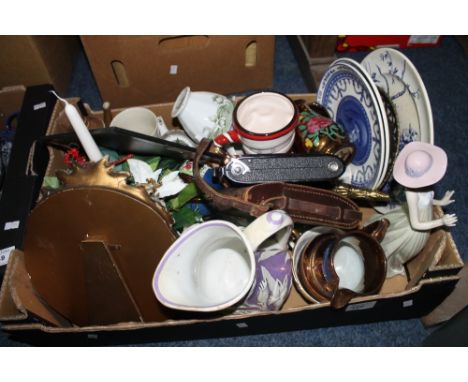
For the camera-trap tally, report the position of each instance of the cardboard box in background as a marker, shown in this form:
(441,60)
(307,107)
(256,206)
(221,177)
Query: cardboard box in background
(139,70)
(314,54)
(36,60)
(353,43)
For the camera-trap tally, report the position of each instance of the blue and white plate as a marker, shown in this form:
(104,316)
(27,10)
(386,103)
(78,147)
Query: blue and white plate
(386,150)
(395,74)
(350,101)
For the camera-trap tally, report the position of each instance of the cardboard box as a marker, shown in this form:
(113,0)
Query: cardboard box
(314,54)
(139,70)
(319,46)
(354,43)
(36,60)
(395,301)
(27,162)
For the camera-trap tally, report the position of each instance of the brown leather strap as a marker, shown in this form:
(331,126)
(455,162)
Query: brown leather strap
(308,205)
(304,204)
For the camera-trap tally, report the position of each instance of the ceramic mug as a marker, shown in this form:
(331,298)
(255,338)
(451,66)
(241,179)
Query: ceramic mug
(212,265)
(264,123)
(138,119)
(330,265)
(203,114)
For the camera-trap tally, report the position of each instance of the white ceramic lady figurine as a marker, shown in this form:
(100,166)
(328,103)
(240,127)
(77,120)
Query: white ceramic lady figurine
(418,166)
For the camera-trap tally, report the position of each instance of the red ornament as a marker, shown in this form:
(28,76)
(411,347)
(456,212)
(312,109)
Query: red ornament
(317,123)
(73,158)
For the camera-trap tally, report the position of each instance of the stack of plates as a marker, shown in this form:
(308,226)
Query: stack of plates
(382,104)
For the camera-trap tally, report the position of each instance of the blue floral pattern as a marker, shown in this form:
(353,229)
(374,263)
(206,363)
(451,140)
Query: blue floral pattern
(349,102)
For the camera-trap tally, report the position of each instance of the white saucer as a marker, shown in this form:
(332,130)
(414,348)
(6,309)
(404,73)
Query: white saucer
(395,74)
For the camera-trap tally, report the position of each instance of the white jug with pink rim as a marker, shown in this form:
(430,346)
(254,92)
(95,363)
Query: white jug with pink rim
(212,266)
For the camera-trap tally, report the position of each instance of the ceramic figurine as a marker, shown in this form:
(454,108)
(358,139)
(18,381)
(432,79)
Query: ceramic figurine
(418,166)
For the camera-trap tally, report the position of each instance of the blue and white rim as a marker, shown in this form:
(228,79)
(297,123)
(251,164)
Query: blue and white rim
(342,88)
(387,62)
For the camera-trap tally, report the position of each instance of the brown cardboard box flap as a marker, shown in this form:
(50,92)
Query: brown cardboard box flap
(17,296)
(357,304)
(431,253)
(138,70)
(19,304)
(36,60)
(452,305)
(11,309)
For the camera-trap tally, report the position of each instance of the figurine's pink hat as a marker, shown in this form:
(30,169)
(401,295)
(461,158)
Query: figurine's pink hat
(420,165)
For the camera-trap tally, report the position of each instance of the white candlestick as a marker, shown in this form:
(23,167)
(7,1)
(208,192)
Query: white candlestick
(85,137)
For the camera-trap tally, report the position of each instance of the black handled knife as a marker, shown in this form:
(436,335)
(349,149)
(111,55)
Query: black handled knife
(253,169)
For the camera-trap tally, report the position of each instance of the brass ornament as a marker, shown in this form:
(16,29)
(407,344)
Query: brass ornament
(361,193)
(101,174)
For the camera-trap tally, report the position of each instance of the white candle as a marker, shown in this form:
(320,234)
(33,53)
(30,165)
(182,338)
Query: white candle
(85,137)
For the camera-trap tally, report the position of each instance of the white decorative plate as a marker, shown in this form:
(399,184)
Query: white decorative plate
(395,74)
(351,102)
(381,107)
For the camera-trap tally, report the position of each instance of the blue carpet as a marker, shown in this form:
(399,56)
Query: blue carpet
(445,73)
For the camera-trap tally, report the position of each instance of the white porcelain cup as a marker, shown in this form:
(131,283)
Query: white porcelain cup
(203,114)
(212,265)
(138,119)
(264,123)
